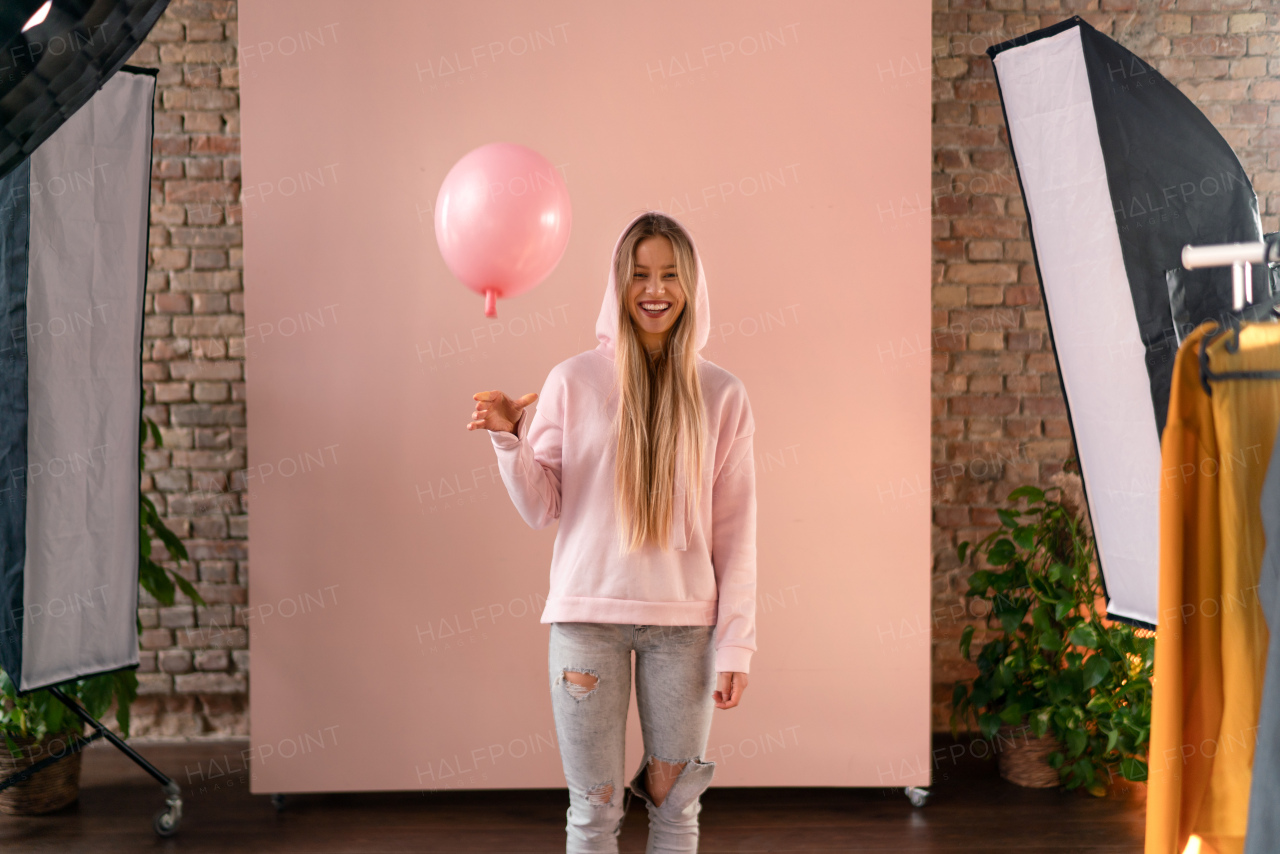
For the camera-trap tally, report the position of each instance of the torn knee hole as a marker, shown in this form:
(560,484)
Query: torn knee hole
(601,796)
(660,777)
(579,684)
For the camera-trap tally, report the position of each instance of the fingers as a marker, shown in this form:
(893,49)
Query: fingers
(494,409)
(485,402)
(729,689)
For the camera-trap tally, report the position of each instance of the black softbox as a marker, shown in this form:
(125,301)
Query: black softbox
(75,168)
(50,70)
(1119,170)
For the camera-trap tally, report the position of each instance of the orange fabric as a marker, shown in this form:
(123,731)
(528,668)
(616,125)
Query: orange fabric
(1211,636)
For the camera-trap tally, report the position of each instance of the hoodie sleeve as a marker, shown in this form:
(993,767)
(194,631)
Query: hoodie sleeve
(530,460)
(733,542)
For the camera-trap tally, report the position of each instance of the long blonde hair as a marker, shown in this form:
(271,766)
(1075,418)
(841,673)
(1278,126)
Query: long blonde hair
(660,404)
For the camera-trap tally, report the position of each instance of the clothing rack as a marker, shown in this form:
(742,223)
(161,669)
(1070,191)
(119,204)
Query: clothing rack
(1240,257)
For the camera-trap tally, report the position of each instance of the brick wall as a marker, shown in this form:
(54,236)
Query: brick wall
(999,418)
(195,661)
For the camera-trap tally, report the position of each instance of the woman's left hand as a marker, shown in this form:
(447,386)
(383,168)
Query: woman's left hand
(729,688)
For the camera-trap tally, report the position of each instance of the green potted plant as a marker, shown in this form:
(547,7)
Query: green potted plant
(1051,663)
(37,725)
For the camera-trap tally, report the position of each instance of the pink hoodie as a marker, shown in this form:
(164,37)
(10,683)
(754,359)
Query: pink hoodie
(560,465)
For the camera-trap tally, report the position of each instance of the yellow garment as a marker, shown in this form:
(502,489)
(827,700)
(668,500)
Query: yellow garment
(1211,635)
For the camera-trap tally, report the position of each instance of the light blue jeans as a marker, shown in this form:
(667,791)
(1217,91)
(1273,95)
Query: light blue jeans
(675,678)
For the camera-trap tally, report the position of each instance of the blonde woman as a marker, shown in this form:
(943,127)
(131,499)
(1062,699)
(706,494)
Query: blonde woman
(642,449)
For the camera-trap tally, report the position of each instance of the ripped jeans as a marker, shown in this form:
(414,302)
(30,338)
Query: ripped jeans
(675,678)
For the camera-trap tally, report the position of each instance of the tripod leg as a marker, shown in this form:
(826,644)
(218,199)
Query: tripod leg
(166,821)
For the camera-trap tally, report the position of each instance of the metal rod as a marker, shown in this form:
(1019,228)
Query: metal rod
(114,739)
(76,744)
(1222,254)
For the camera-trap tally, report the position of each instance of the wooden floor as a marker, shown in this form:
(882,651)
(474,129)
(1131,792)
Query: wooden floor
(970,809)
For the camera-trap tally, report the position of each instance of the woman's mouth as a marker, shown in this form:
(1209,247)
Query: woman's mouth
(654,308)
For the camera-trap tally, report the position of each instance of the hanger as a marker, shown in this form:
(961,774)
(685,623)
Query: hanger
(1263,311)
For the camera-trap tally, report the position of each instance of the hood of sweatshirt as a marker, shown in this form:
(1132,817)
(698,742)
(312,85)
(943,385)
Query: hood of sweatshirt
(607,322)
(684,514)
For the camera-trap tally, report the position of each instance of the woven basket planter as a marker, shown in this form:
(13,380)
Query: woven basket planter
(1024,759)
(49,788)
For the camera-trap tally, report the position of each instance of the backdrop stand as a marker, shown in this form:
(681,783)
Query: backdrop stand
(166,821)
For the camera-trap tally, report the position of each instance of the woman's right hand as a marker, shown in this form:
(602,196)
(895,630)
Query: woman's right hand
(495,411)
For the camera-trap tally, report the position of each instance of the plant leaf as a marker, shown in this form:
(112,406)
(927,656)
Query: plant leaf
(1133,769)
(126,690)
(979,582)
(1031,493)
(170,540)
(1040,723)
(1096,669)
(190,591)
(1001,552)
(1076,741)
(1050,642)
(1085,635)
(156,582)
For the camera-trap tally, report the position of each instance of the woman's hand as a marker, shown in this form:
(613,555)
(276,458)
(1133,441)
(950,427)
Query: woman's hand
(729,688)
(495,411)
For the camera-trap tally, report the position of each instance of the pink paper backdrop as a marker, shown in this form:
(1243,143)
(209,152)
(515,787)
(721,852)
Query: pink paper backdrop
(395,592)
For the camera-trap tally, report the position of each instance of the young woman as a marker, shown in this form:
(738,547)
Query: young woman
(642,449)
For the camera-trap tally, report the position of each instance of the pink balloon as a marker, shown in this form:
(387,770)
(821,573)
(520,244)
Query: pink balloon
(502,220)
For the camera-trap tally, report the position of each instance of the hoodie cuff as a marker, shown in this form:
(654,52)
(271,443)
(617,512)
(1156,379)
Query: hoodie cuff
(506,441)
(733,659)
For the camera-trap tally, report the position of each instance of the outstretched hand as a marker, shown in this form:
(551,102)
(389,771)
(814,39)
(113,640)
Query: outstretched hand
(495,411)
(729,688)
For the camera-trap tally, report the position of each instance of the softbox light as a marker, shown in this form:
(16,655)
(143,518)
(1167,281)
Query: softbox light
(49,69)
(1119,170)
(73,262)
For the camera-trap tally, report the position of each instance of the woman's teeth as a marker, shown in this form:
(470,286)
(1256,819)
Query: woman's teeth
(654,309)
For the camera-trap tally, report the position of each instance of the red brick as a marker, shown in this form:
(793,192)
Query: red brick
(214,144)
(981,274)
(214,369)
(200,191)
(948,249)
(986,227)
(982,405)
(211,683)
(1043,406)
(951,113)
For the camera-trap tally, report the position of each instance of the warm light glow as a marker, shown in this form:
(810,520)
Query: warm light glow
(38,18)
(1193,846)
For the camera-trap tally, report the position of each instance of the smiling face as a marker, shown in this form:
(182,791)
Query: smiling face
(655,298)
